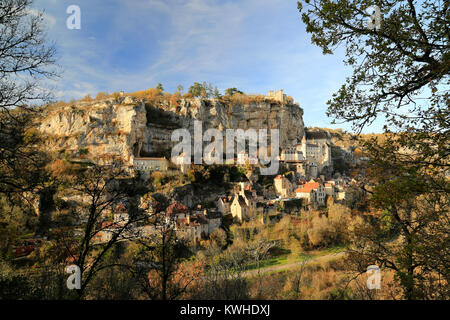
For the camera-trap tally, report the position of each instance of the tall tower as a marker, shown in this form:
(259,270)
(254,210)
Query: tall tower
(304,146)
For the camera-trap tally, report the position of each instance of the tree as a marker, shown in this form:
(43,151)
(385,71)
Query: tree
(400,73)
(159,262)
(180,89)
(13,221)
(216,93)
(160,88)
(408,232)
(102,189)
(203,90)
(197,90)
(223,277)
(259,251)
(231,91)
(26,59)
(22,165)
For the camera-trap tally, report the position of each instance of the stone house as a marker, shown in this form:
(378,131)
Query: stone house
(214,219)
(330,190)
(305,193)
(150,164)
(193,228)
(313,192)
(283,187)
(239,208)
(223,204)
(177,211)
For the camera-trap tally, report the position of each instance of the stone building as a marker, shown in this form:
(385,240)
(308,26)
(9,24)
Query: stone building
(278,96)
(239,208)
(316,150)
(283,187)
(150,164)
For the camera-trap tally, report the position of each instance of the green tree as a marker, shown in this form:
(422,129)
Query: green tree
(203,90)
(400,73)
(216,93)
(197,90)
(231,91)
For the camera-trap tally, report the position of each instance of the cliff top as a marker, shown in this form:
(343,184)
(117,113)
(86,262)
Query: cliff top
(165,100)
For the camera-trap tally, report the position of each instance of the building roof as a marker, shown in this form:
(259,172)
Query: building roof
(200,219)
(108,225)
(303,190)
(311,135)
(175,208)
(241,201)
(307,187)
(150,158)
(120,208)
(225,199)
(293,161)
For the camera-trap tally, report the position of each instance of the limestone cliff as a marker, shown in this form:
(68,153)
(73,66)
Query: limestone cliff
(127,127)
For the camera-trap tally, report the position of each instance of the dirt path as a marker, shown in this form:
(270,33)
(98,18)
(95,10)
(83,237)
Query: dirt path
(323,258)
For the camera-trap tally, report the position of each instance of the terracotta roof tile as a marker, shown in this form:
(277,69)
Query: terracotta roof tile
(175,208)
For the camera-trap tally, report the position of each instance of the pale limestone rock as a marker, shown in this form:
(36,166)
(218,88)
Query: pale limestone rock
(109,129)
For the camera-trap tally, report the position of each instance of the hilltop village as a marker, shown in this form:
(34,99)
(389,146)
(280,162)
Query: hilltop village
(307,183)
(114,187)
(306,180)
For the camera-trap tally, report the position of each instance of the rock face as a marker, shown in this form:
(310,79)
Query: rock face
(123,129)
(100,131)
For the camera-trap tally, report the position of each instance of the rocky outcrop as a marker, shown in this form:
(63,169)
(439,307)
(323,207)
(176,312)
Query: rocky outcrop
(111,129)
(100,131)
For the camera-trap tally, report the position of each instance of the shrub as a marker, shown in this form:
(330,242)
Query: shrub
(101,95)
(174,99)
(116,96)
(152,95)
(232,91)
(157,178)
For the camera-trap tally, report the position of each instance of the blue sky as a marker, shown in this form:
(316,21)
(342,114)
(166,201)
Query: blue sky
(254,45)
